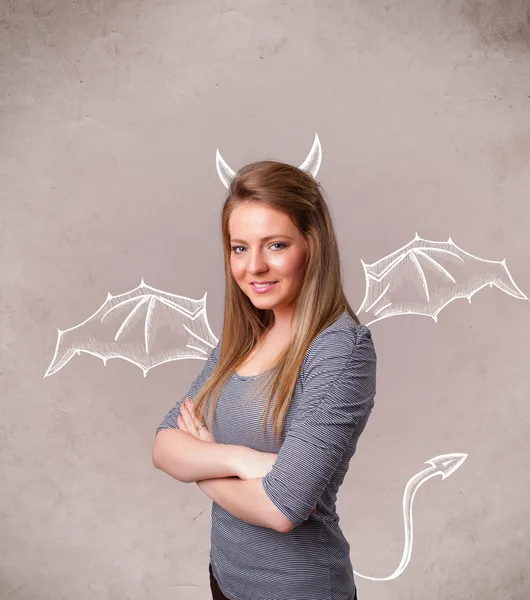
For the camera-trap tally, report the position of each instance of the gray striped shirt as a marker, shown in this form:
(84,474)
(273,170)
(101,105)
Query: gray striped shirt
(333,399)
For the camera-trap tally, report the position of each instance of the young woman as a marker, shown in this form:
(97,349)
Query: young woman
(294,359)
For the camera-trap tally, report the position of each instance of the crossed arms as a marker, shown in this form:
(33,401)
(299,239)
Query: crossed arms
(216,469)
(339,386)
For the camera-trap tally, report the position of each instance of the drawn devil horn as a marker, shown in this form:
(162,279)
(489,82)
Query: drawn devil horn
(310,165)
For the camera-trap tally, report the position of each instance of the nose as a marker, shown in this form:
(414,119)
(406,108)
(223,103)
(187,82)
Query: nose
(256,263)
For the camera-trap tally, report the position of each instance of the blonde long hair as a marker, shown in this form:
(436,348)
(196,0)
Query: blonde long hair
(321,299)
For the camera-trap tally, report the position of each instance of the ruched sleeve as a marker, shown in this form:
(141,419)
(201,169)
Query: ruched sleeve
(170,419)
(338,390)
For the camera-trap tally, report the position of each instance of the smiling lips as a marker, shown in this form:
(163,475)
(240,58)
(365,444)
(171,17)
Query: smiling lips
(263,287)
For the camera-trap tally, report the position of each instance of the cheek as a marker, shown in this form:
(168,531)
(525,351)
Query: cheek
(288,266)
(237,269)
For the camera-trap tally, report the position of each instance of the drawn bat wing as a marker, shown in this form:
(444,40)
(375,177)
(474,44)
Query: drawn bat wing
(423,276)
(144,326)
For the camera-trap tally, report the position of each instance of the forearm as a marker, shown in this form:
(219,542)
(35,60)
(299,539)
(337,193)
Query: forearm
(189,459)
(246,500)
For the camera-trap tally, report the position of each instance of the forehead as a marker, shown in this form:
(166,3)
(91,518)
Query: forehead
(257,219)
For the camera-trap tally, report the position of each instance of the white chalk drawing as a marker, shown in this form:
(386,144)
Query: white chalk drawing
(311,164)
(424,276)
(419,278)
(169,327)
(173,327)
(443,465)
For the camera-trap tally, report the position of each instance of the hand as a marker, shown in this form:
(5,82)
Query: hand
(188,422)
(251,463)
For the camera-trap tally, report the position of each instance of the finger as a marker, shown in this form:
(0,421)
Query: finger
(182,423)
(193,420)
(190,421)
(191,411)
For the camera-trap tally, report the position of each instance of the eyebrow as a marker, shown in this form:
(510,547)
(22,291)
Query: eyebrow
(264,239)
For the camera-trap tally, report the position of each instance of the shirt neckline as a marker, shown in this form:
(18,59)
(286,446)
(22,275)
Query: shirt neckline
(245,377)
(249,377)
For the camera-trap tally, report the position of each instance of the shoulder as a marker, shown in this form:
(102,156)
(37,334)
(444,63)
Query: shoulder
(213,357)
(217,349)
(341,343)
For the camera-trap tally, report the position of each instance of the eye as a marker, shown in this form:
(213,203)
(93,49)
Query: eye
(234,248)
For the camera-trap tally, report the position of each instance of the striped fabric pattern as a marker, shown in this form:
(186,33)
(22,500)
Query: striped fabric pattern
(332,402)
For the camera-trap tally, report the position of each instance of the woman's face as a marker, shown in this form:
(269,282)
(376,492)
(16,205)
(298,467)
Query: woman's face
(279,258)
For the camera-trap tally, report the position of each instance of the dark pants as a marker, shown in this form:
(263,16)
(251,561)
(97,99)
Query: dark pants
(217,594)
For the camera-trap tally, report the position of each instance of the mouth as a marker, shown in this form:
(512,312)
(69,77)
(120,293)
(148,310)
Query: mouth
(263,287)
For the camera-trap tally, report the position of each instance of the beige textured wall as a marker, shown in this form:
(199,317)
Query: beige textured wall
(110,115)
